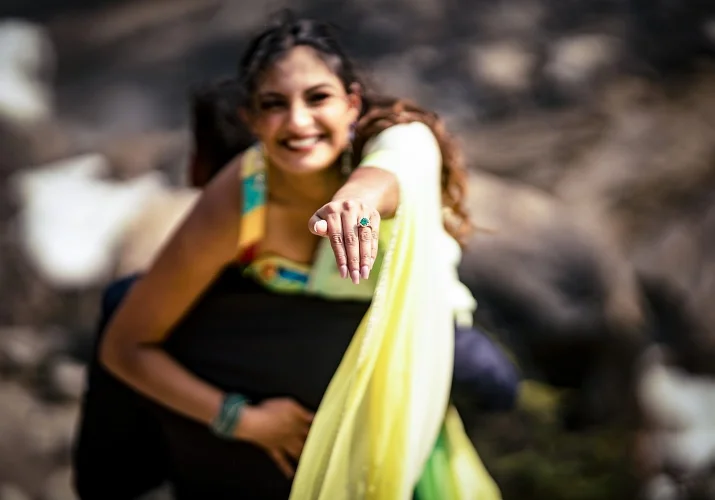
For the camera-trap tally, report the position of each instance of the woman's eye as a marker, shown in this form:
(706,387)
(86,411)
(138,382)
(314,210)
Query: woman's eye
(270,105)
(318,98)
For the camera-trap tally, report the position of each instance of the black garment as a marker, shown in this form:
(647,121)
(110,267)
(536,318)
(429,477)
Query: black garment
(119,453)
(245,339)
(242,338)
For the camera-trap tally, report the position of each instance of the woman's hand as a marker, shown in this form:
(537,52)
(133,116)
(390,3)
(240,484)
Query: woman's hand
(353,227)
(279,426)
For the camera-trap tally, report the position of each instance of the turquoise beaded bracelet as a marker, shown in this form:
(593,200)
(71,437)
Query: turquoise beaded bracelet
(225,423)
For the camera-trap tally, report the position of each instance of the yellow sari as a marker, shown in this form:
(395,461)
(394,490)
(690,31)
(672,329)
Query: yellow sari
(384,430)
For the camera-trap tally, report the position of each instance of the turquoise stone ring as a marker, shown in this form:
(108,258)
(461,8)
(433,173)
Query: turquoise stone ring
(364,222)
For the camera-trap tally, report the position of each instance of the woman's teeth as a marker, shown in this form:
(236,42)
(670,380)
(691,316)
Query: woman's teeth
(302,143)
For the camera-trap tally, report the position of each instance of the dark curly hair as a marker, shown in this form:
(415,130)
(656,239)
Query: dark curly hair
(378,113)
(218,132)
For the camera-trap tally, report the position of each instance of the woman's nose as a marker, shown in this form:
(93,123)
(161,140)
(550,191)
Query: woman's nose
(299,116)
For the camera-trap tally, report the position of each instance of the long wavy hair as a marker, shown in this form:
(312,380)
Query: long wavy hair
(378,113)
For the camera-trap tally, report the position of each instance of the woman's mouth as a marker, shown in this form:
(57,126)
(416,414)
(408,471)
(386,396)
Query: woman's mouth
(302,143)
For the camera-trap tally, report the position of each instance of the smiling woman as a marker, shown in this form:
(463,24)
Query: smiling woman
(235,396)
(304,112)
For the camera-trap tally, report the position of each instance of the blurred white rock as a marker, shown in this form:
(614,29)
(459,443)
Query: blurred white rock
(661,487)
(152,227)
(506,65)
(574,61)
(72,219)
(681,409)
(26,59)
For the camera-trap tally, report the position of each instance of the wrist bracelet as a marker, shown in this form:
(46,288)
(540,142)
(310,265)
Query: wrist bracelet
(225,423)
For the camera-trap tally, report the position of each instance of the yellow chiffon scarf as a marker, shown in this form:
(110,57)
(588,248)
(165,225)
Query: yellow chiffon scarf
(387,404)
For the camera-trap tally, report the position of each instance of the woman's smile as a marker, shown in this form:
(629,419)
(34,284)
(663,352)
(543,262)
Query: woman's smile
(303,144)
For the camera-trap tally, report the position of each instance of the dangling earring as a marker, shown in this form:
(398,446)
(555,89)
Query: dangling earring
(346,166)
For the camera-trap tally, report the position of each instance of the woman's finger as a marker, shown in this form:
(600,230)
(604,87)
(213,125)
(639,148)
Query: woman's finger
(318,226)
(365,234)
(282,462)
(302,414)
(351,240)
(335,233)
(294,447)
(305,415)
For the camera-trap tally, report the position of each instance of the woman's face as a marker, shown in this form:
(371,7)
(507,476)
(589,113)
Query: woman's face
(302,113)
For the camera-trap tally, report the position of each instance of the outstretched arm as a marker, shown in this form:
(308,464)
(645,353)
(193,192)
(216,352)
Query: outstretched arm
(373,192)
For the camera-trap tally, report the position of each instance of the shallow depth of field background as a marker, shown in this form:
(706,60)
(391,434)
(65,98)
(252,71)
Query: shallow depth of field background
(589,129)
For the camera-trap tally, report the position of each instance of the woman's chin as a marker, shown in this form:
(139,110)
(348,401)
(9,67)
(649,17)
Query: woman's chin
(307,165)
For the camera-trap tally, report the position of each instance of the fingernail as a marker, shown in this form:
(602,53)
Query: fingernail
(355,276)
(365,272)
(343,272)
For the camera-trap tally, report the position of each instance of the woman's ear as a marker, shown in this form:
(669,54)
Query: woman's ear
(355,97)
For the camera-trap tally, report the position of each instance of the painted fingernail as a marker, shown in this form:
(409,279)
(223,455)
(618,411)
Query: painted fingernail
(343,272)
(365,272)
(355,276)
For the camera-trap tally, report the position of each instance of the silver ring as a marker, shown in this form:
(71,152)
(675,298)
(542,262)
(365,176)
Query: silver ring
(364,222)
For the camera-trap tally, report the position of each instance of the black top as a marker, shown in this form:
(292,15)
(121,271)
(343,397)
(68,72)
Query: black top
(244,338)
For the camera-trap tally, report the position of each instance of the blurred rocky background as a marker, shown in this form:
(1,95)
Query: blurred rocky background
(589,127)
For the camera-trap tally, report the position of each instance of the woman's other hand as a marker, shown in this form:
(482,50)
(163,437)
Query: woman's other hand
(279,426)
(353,228)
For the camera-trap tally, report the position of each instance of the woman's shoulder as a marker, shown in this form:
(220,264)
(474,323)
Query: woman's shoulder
(402,144)
(237,187)
(402,134)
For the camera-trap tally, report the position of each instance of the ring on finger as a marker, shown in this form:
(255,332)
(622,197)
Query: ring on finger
(364,222)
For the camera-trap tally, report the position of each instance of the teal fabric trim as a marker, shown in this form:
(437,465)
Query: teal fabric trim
(253,192)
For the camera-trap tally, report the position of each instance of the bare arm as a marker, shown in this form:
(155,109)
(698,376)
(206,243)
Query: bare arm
(190,261)
(396,156)
(375,186)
